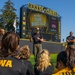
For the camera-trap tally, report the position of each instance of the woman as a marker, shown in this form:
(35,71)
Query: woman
(9,65)
(44,66)
(24,55)
(65,64)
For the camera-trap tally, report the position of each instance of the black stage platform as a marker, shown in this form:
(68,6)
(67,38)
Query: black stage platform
(53,47)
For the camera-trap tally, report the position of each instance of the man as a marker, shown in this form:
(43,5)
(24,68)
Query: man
(2,32)
(70,40)
(37,38)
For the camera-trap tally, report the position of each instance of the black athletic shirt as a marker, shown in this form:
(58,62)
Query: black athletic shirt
(30,70)
(48,71)
(70,38)
(35,40)
(12,66)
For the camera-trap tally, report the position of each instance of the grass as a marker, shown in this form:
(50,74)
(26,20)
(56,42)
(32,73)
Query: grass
(32,59)
(53,58)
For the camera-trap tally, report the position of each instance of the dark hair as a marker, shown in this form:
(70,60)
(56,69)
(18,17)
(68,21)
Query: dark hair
(10,42)
(71,32)
(67,58)
(62,56)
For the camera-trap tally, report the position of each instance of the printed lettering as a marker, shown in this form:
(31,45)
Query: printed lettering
(6,63)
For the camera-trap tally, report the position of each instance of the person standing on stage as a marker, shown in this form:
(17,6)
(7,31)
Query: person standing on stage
(37,38)
(70,40)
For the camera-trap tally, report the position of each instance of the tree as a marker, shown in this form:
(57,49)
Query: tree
(1,22)
(8,15)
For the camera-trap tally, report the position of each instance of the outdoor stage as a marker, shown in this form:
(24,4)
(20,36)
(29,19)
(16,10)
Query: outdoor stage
(53,47)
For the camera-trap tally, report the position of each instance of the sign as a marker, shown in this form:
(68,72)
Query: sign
(53,24)
(37,19)
(42,9)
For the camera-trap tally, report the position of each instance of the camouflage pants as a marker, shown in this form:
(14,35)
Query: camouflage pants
(36,50)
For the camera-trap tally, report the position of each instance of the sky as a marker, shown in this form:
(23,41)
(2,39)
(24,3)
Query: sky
(65,8)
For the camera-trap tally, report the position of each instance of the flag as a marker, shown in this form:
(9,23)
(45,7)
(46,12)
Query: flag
(14,24)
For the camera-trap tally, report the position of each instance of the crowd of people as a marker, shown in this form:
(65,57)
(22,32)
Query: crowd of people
(14,60)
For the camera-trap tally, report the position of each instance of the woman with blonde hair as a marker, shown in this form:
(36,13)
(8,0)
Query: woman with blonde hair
(25,52)
(24,55)
(43,64)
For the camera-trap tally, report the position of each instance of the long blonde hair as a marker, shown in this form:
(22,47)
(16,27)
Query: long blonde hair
(43,60)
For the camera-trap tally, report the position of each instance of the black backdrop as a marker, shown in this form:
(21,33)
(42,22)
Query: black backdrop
(53,47)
